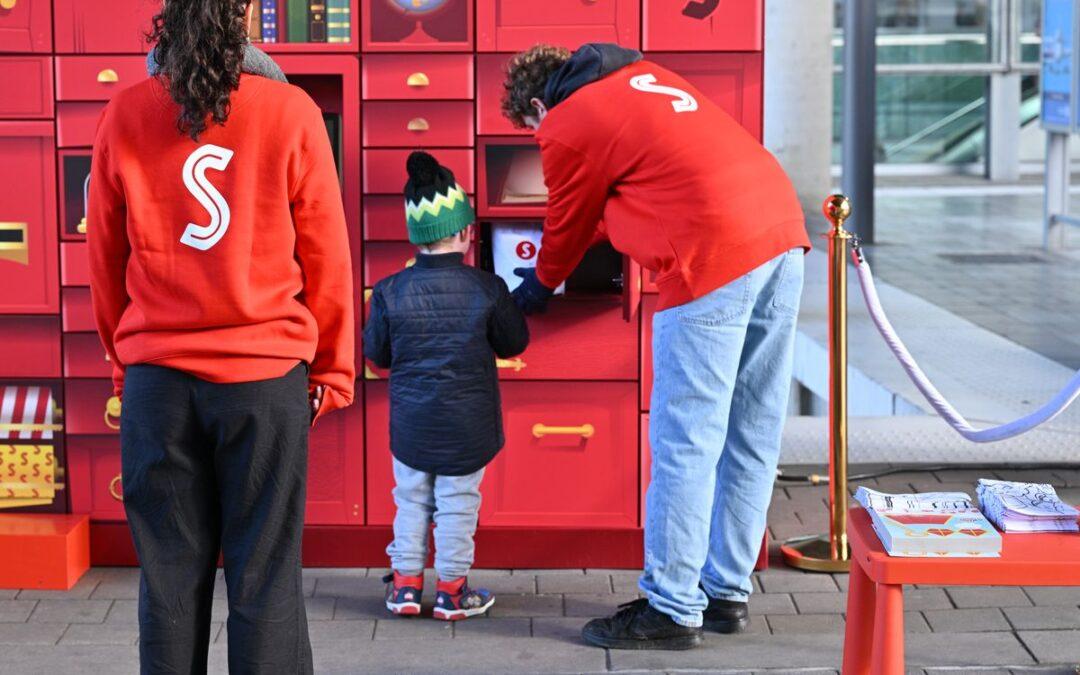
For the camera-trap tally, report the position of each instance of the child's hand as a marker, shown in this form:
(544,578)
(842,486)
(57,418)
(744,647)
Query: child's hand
(316,397)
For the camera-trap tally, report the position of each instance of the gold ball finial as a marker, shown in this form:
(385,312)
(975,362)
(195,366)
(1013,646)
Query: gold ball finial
(837,209)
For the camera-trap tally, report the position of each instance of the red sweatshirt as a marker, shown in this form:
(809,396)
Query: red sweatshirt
(226,257)
(679,185)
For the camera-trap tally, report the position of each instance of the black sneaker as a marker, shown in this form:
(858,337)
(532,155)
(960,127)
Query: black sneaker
(726,616)
(638,626)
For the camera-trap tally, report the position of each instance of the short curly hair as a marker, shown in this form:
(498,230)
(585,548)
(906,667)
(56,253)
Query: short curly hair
(527,75)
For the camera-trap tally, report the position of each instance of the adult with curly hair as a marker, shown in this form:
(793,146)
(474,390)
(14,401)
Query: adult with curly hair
(634,152)
(221,285)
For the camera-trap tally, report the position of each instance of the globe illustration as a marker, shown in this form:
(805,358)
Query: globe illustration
(418,7)
(419,11)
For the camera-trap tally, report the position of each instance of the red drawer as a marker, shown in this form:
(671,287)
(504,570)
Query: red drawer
(94,477)
(514,25)
(571,457)
(31,346)
(387,28)
(96,78)
(732,81)
(28,260)
(78,314)
(412,76)
(74,264)
(27,85)
(384,218)
(84,356)
(703,25)
(384,170)
(418,124)
(26,27)
(76,123)
(578,339)
(89,409)
(103,26)
(380,467)
(335,485)
(490,75)
(648,309)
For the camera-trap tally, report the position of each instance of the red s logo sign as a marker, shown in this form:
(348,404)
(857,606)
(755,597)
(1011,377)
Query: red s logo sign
(526,250)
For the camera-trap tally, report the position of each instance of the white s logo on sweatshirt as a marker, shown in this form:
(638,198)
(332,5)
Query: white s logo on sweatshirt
(647,82)
(206,157)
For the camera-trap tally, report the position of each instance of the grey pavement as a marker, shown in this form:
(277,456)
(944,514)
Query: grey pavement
(535,625)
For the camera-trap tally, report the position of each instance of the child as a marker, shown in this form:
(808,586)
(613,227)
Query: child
(438,326)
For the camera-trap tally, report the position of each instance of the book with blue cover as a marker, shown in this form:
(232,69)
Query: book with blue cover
(930,525)
(269,32)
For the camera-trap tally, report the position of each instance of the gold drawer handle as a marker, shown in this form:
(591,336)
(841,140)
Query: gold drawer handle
(541,430)
(515,364)
(7,4)
(418,124)
(410,262)
(368,292)
(112,412)
(370,374)
(15,248)
(108,75)
(417,79)
(116,487)
(81,227)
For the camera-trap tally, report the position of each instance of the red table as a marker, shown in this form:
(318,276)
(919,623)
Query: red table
(874,637)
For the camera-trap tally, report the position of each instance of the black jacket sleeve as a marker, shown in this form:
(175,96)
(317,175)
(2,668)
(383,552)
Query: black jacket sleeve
(377,332)
(507,331)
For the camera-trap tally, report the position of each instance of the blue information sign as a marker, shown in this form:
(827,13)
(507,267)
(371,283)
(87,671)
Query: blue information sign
(1059,65)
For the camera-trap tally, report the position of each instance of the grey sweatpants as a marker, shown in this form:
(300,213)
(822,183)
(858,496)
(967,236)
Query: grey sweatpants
(453,502)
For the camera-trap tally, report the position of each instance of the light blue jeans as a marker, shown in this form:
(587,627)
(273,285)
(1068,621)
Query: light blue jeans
(720,395)
(453,502)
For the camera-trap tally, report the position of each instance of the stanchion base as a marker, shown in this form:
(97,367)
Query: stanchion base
(812,554)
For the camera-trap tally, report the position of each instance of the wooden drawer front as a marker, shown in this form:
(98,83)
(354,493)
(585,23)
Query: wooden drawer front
(563,478)
(384,218)
(103,26)
(84,356)
(31,346)
(380,465)
(76,123)
(413,76)
(490,75)
(384,170)
(26,27)
(26,83)
(577,339)
(381,259)
(514,25)
(88,410)
(732,81)
(28,260)
(74,264)
(717,25)
(96,78)
(94,478)
(420,123)
(78,313)
(335,484)
(648,309)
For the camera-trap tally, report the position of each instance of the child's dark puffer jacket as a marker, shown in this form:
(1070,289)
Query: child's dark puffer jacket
(439,326)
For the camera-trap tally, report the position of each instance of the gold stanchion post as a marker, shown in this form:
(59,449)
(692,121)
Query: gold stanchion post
(830,553)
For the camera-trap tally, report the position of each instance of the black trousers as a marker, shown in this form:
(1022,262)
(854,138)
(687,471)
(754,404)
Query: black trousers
(213,469)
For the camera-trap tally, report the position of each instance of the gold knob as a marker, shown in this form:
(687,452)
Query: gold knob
(417,80)
(541,430)
(370,374)
(81,227)
(112,412)
(107,357)
(837,209)
(515,364)
(116,488)
(418,124)
(7,4)
(368,292)
(107,75)
(410,262)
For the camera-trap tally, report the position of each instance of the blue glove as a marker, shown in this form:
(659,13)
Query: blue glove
(531,296)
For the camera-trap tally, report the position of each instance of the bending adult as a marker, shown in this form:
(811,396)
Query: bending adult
(682,188)
(221,285)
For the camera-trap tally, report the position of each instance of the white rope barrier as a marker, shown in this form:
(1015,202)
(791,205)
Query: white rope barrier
(999,433)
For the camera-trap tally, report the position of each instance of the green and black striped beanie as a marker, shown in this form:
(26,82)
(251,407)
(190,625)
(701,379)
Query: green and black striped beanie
(436,206)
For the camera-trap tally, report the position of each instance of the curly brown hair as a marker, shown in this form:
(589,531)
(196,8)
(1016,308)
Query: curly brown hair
(526,76)
(200,48)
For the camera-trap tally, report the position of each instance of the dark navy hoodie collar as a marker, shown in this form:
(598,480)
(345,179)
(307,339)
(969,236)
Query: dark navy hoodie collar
(589,63)
(435,260)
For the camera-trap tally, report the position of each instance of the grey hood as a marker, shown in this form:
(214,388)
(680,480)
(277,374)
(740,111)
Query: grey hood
(256,62)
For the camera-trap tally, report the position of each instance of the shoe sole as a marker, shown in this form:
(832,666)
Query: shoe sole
(671,644)
(726,626)
(459,614)
(404,608)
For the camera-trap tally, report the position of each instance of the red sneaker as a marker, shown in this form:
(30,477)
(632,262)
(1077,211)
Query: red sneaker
(454,600)
(403,593)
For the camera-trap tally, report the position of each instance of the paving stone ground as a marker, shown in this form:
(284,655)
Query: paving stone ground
(535,625)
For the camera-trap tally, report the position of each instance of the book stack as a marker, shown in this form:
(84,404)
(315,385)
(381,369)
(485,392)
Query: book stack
(931,524)
(1025,507)
(326,21)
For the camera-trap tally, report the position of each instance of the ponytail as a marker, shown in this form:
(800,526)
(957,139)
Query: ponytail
(199,52)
